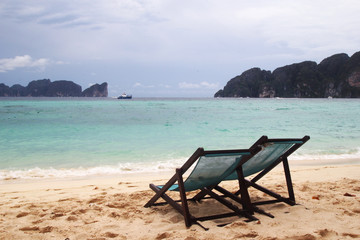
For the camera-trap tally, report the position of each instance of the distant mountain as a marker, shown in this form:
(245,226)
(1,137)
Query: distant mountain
(335,76)
(96,90)
(46,88)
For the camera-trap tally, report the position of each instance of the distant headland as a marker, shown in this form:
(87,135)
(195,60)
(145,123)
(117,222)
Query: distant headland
(46,88)
(337,76)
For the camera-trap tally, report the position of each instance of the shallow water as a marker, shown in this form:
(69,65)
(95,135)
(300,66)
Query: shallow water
(44,137)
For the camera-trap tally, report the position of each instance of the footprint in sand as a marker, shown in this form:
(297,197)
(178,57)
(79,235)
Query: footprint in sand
(26,229)
(71,219)
(356,210)
(114,215)
(111,235)
(351,235)
(96,200)
(163,235)
(251,234)
(67,200)
(16,206)
(46,229)
(302,237)
(37,221)
(57,215)
(79,211)
(22,214)
(327,233)
(36,228)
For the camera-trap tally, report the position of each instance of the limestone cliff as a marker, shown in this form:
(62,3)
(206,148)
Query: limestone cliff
(335,76)
(46,88)
(96,90)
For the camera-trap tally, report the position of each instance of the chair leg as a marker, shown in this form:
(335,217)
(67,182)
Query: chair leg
(168,199)
(160,192)
(184,203)
(244,194)
(290,200)
(288,181)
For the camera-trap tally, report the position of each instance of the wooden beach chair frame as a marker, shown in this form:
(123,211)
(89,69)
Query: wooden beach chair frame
(183,208)
(245,183)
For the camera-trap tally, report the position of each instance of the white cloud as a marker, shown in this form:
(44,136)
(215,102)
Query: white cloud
(164,86)
(188,85)
(140,85)
(203,84)
(9,64)
(155,39)
(209,85)
(151,31)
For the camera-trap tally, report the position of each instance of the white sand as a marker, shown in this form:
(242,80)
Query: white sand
(112,208)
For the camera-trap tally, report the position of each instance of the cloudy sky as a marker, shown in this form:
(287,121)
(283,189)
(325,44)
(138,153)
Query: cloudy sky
(167,48)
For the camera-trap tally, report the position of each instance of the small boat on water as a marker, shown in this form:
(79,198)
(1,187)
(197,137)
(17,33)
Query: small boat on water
(125,96)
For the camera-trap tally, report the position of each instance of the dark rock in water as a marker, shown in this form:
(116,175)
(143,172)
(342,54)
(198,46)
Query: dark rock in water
(352,76)
(333,66)
(297,80)
(332,71)
(96,90)
(335,76)
(17,91)
(38,88)
(249,84)
(63,88)
(46,88)
(4,90)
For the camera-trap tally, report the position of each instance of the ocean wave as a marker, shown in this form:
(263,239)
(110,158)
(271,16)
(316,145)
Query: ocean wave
(126,168)
(133,168)
(355,154)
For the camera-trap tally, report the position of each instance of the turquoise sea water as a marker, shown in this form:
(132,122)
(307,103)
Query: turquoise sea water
(66,137)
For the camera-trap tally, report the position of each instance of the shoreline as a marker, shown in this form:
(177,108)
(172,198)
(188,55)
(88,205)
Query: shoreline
(149,174)
(150,177)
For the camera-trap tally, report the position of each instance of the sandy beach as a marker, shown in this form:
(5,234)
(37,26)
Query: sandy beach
(328,197)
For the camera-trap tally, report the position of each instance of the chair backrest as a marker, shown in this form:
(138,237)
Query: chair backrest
(211,169)
(271,151)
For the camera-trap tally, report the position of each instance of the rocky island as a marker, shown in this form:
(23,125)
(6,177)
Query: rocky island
(336,76)
(46,88)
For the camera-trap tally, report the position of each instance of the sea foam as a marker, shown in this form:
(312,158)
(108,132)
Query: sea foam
(141,167)
(120,169)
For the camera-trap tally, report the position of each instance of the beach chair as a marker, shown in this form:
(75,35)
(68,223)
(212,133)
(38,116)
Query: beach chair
(210,169)
(272,153)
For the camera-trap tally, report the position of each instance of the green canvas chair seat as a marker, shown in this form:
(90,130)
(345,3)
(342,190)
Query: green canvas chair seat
(211,167)
(269,153)
(210,170)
